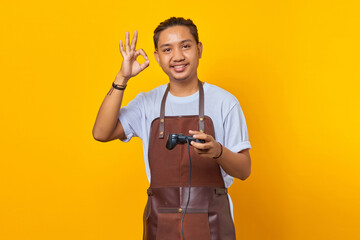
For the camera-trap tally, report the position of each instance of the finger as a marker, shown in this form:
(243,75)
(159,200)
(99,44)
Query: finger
(121,48)
(127,47)
(203,136)
(134,40)
(201,146)
(142,53)
(200,135)
(194,132)
(145,64)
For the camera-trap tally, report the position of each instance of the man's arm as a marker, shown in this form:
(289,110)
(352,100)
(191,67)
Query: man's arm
(235,164)
(107,126)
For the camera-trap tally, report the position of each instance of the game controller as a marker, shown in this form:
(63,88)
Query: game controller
(174,139)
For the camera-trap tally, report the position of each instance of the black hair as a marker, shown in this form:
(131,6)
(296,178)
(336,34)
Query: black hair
(175,21)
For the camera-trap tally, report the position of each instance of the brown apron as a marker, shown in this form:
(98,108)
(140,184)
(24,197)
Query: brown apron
(208,215)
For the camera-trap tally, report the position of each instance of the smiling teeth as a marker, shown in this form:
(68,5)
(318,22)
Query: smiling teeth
(179,66)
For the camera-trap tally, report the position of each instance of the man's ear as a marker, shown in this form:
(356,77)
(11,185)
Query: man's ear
(200,49)
(156,55)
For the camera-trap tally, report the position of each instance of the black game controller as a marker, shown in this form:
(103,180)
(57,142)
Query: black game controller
(173,139)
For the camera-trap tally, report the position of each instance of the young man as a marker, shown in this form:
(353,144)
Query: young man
(189,106)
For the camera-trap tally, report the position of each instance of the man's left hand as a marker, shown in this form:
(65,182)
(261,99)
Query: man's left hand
(210,148)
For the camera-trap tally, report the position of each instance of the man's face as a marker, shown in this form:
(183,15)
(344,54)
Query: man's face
(178,53)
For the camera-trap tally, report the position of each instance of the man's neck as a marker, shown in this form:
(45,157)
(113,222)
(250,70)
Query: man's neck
(184,88)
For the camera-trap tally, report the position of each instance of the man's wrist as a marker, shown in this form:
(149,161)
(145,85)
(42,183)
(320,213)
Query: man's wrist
(221,151)
(120,80)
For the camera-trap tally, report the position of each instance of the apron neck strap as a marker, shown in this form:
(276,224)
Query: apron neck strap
(201,110)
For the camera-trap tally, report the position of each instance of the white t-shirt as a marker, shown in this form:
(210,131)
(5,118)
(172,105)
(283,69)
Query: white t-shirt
(221,106)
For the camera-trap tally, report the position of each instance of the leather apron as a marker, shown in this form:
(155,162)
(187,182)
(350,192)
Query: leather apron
(208,215)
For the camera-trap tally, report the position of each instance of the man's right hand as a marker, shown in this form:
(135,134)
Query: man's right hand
(107,126)
(130,67)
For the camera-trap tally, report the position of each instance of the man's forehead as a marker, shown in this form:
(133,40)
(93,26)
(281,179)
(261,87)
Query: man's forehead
(172,43)
(175,35)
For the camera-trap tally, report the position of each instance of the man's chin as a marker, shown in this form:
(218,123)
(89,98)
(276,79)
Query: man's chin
(180,78)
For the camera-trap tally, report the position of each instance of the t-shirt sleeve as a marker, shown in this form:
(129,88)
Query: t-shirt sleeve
(236,137)
(131,117)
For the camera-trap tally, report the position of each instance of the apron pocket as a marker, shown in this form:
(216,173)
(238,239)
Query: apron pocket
(195,225)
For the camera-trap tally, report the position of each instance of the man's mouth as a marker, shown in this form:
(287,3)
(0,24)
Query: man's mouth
(179,68)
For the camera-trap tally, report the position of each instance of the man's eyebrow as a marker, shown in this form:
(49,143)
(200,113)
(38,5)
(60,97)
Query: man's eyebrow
(184,41)
(168,44)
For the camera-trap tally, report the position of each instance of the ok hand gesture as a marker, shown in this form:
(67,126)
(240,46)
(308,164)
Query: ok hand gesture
(130,67)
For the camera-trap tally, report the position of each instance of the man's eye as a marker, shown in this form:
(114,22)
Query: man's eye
(166,50)
(186,46)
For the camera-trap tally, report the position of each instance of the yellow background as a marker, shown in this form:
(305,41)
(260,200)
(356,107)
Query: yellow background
(293,65)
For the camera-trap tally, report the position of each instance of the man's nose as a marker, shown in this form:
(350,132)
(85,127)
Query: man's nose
(178,55)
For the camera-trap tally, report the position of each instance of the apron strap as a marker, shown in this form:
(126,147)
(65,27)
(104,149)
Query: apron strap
(162,113)
(201,110)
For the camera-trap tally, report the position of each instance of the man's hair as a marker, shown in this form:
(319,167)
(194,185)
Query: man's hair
(175,21)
